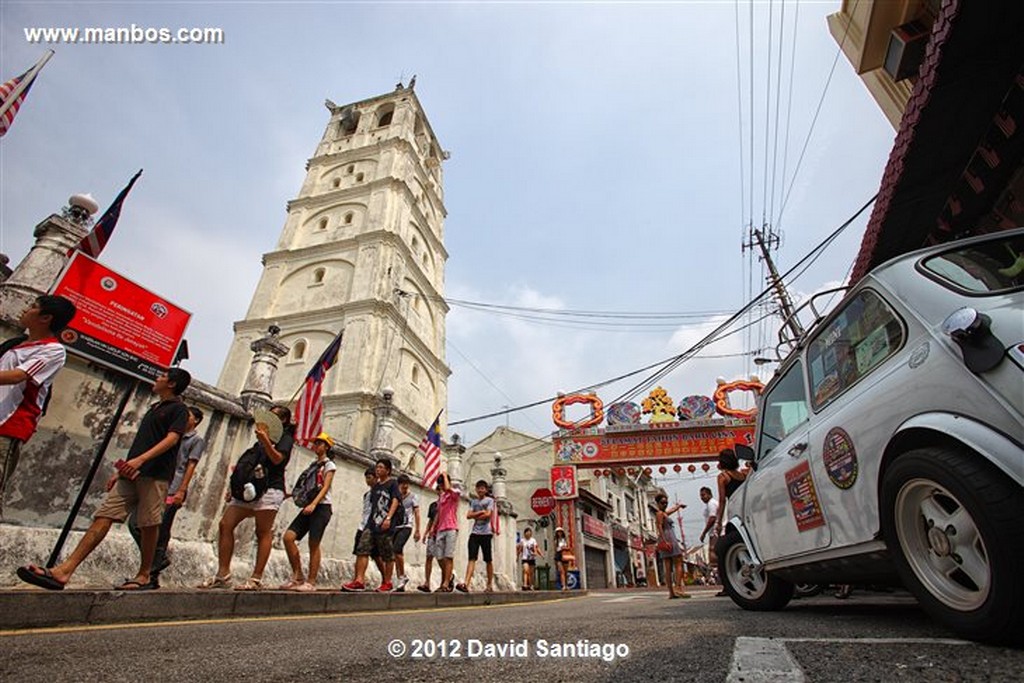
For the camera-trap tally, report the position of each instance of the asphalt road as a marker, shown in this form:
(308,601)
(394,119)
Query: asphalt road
(626,636)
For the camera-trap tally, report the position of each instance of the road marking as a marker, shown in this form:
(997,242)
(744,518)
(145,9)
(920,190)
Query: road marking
(631,598)
(57,630)
(763,660)
(766,660)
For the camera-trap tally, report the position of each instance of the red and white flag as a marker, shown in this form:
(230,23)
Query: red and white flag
(430,447)
(93,243)
(309,420)
(14,91)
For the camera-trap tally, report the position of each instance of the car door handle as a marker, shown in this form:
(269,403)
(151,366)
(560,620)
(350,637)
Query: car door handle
(798,449)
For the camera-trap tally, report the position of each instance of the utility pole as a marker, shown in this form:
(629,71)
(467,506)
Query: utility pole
(765,240)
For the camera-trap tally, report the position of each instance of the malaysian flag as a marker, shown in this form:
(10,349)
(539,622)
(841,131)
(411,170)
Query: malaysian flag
(309,419)
(430,447)
(93,243)
(14,91)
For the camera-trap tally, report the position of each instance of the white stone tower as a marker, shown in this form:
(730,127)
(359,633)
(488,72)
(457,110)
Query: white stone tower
(362,248)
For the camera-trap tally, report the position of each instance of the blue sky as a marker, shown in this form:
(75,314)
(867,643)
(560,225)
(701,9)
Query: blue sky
(595,163)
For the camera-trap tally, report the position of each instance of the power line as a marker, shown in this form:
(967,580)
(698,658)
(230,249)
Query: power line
(709,338)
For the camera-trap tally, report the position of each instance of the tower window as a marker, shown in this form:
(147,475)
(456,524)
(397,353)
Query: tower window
(424,259)
(351,169)
(318,276)
(336,182)
(322,225)
(359,177)
(299,350)
(415,374)
(385,115)
(349,122)
(348,218)
(415,243)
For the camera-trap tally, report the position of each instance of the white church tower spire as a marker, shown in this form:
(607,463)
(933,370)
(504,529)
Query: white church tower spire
(362,249)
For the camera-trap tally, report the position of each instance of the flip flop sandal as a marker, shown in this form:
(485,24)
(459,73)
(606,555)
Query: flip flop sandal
(40,576)
(134,585)
(216,582)
(251,584)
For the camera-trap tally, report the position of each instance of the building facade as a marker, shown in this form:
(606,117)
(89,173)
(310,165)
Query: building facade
(362,250)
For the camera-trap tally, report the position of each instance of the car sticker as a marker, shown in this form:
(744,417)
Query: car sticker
(804,497)
(840,458)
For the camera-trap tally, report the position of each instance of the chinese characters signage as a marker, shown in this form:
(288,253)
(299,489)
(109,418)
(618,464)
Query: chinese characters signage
(645,444)
(563,482)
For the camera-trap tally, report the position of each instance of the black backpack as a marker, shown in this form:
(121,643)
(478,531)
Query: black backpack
(251,468)
(308,485)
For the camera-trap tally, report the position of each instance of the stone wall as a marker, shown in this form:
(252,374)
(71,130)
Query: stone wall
(54,464)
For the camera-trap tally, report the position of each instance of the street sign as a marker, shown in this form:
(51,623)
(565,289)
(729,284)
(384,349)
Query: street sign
(119,324)
(543,502)
(563,482)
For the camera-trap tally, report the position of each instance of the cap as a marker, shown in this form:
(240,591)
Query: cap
(325,437)
(558,528)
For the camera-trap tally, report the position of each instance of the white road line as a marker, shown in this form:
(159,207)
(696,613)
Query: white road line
(766,660)
(763,660)
(631,598)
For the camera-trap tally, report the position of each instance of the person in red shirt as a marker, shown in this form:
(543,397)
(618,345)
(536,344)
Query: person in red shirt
(27,370)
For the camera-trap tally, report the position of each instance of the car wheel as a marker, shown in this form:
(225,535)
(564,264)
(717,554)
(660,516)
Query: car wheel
(749,586)
(955,530)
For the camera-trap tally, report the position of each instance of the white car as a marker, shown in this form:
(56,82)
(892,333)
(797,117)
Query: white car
(890,445)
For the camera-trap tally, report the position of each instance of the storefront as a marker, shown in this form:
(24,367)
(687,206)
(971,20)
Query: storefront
(595,551)
(620,556)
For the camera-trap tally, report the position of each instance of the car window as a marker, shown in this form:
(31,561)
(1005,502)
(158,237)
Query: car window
(784,408)
(857,340)
(986,268)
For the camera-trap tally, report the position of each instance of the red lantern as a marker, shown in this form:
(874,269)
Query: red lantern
(597,473)
(705,467)
(622,471)
(677,468)
(692,469)
(648,471)
(663,469)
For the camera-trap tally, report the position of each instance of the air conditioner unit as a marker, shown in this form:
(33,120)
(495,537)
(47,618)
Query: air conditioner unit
(906,50)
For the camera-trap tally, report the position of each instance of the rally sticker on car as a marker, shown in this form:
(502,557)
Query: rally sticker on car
(840,458)
(804,497)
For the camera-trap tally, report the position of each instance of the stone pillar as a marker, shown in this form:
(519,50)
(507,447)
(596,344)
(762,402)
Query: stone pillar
(454,452)
(498,486)
(258,389)
(37,272)
(382,444)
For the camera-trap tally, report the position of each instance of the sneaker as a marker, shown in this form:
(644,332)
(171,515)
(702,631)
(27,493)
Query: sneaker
(423,588)
(353,587)
(403,581)
(385,587)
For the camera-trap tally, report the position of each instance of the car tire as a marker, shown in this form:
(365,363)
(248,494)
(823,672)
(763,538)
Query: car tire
(751,589)
(953,525)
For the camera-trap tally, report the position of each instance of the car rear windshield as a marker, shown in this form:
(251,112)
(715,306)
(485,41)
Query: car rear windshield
(983,268)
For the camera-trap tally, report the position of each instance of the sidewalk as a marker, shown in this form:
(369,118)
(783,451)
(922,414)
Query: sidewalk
(29,608)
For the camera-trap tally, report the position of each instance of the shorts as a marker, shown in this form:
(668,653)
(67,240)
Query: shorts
(314,524)
(144,495)
(355,543)
(432,547)
(478,542)
(270,500)
(9,449)
(376,544)
(401,537)
(531,562)
(444,544)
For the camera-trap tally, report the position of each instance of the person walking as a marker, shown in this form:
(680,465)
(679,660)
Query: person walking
(410,526)
(430,539)
(730,478)
(314,516)
(190,450)
(138,484)
(377,537)
(273,459)
(562,557)
(529,552)
(670,550)
(447,530)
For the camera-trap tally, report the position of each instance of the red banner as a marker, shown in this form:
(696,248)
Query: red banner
(592,526)
(119,323)
(563,482)
(652,443)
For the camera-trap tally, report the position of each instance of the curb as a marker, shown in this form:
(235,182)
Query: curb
(27,609)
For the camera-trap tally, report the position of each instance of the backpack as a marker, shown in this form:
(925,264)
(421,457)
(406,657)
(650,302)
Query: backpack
(250,471)
(307,486)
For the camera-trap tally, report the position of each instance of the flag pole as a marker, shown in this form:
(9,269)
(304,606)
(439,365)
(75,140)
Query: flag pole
(25,83)
(303,382)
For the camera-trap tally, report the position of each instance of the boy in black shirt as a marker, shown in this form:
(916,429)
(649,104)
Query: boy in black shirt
(385,504)
(140,484)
